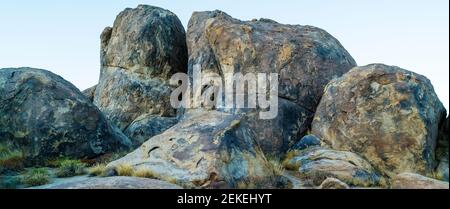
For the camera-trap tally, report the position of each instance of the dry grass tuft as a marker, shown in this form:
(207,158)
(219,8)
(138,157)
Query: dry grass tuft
(124,170)
(145,173)
(98,170)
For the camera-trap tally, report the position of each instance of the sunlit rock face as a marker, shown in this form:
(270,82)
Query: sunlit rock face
(207,149)
(143,49)
(386,114)
(305,57)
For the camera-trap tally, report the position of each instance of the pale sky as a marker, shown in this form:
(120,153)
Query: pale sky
(63,36)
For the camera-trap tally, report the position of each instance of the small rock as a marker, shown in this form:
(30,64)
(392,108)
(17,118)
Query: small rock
(332,183)
(315,164)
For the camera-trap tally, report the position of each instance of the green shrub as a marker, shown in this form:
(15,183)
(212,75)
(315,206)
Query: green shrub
(69,168)
(36,177)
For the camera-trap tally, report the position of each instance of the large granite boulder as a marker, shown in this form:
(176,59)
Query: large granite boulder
(388,115)
(416,181)
(145,40)
(206,149)
(316,164)
(305,57)
(145,46)
(46,117)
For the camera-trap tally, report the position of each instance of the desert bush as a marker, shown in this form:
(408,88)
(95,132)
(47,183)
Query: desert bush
(36,177)
(69,168)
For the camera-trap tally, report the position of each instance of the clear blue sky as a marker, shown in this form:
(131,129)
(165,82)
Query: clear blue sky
(63,36)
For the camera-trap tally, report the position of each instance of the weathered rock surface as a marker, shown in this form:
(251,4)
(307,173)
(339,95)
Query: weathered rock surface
(416,181)
(45,117)
(305,57)
(207,149)
(147,126)
(145,40)
(332,183)
(90,93)
(139,53)
(125,96)
(115,182)
(315,164)
(388,115)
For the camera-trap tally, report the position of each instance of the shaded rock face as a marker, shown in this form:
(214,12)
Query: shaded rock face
(116,182)
(139,53)
(416,181)
(315,164)
(388,115)
(207,149)
(306,141)
(147,126)
(305,57)
(277,135)
(442,152)
(45,116)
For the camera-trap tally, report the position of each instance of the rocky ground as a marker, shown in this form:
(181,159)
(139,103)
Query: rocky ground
(339,125)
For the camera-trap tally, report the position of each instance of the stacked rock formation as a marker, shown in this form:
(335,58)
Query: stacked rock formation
(338,125)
